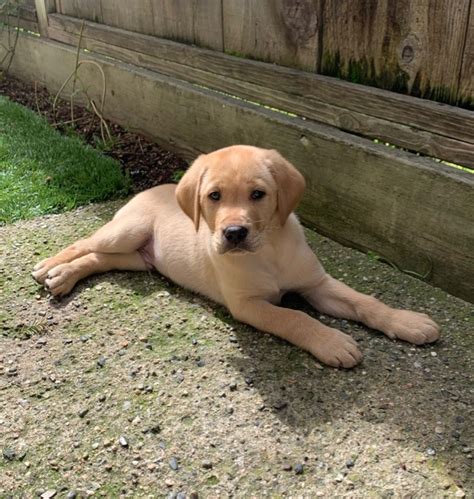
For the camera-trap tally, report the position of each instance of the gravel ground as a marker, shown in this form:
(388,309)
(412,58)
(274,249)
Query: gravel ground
(134,387)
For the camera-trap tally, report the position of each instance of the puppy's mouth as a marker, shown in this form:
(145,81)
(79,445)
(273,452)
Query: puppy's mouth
(237,250)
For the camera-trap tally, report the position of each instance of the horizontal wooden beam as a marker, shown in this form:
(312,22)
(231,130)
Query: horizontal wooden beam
(419,125)
(26,19)
(408,209)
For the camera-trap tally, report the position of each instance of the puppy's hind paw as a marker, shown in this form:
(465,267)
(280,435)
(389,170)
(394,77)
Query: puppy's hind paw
(412,327)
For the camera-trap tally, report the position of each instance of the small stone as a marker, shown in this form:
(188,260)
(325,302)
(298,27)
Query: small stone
(200,363)
(101,362)
(9,454)
(127,405)
(48,494)
(279,405)
(430,451)
(174,464)
(299,469)
(72,494)
(95,445)
(207,465)
(83,412)
(230,410)
(439,430)
(194,341)
(287,467)
(350,463)
(339,478)
(152,467)
(233,386)
(460,493)
(181,495)
(154,430)
(84,338)
(41,341)
(417,365)
(169,482)
(194,495)
(434,354)
(123,441)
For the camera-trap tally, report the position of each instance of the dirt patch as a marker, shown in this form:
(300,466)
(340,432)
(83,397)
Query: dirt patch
(134,387)
(147,164)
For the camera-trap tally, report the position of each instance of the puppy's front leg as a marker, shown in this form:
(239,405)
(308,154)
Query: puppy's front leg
(328,345)
(333,297)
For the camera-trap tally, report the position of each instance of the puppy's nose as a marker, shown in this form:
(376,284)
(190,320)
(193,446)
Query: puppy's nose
(235,233)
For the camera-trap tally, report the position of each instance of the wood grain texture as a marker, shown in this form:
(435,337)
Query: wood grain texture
(285,32)
(24,21)
(359,193)
(189,21)
(43,8)
(466,83)
(409,46)
(133,16)
(434,129)
(82,9)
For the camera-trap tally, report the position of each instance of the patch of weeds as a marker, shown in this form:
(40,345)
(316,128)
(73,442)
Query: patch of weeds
(45,172)
(177,175)
(26,331)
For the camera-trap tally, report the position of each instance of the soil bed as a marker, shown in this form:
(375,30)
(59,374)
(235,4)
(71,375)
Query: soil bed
(147,163)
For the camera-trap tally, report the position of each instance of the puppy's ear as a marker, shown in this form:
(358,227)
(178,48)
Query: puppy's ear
(290,184)
(188,190)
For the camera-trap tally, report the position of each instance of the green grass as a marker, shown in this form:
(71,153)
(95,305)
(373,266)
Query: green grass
(44,172)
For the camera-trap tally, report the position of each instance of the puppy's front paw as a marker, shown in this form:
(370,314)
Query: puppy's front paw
(40,270)
(60,279)
(412,327)
(337,349)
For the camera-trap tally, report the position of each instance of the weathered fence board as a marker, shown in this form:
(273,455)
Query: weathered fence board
(358,192)
(134,16)
(434,129)
(466,85)
(189,22)
(407,46)
(281,31)
(82,9)
(25,18)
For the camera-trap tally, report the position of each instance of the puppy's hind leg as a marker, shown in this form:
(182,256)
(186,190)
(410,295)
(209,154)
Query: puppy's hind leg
(124,234)
(335,298)
(61,279)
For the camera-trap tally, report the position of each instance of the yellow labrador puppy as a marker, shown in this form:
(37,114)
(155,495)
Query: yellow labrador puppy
(227,231)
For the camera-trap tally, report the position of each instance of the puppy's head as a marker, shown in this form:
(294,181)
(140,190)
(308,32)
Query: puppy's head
(243,193)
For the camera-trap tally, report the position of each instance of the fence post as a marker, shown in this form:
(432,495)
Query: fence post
(43,8)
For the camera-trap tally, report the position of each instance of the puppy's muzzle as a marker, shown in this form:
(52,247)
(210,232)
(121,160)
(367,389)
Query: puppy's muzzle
(235,234)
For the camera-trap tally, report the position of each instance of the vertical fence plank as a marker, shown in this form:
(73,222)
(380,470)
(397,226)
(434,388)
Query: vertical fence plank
(466,83)
(282,31)
(409,46)
(83,9)
(133,16)
(189,21)
(208,29)
(43,8)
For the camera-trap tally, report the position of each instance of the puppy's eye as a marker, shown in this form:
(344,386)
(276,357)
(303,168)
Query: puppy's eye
(256,195)
(215,196)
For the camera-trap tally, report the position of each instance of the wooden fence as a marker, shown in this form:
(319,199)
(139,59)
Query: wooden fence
(206,56)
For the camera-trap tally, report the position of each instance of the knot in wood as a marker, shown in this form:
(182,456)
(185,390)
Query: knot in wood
(300,19)
(408,53)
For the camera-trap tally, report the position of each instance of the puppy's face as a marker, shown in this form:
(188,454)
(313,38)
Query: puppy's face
(243,193)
